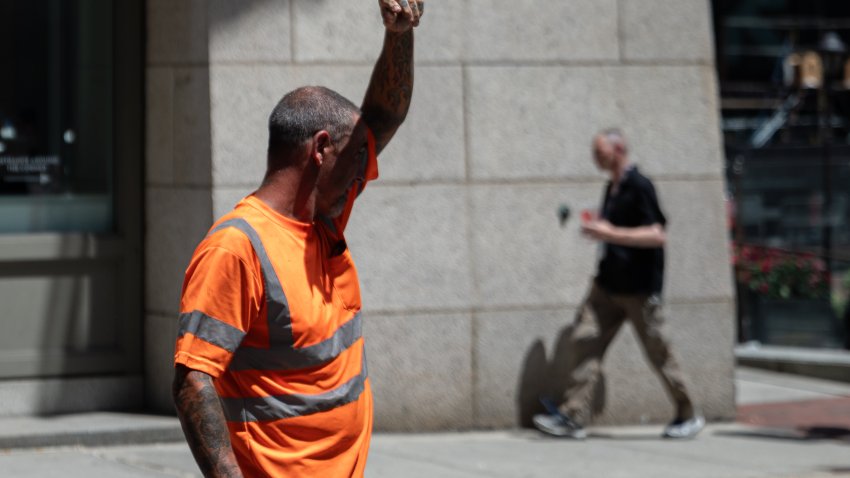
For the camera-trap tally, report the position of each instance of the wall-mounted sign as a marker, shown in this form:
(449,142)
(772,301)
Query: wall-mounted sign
(30,174)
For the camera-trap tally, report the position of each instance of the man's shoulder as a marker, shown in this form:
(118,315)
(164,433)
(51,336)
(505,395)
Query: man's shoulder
(640,181)
(232,233)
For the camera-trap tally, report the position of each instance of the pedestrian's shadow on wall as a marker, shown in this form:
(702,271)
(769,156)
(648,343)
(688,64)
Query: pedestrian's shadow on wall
(541,377)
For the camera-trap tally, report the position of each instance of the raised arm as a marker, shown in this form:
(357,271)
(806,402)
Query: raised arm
(203,423)
(388,97)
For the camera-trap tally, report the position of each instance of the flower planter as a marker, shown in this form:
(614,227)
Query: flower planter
(776,290)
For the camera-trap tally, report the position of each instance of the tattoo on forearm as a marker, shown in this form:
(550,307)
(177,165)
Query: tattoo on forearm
(204,425)
(390,90)
(399,86)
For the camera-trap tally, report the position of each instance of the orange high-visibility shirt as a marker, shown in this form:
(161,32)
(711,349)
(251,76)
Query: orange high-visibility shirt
(271,309)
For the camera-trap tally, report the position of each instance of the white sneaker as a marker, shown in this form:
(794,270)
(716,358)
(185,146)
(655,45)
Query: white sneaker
(685,428)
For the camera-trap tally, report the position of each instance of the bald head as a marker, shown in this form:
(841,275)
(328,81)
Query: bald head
(614,137)
(610,149)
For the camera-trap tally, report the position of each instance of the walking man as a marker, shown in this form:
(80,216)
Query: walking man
(631,228)
(270,369)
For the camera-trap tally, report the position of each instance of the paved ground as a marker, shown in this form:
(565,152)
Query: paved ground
(819,418)
(789,427)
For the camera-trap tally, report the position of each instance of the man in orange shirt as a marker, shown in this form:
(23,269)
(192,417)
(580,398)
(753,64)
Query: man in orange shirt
(270,370)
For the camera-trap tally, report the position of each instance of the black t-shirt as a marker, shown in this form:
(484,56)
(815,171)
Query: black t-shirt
(632,270)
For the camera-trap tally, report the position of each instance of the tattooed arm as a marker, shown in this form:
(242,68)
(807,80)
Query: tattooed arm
(203,423)
(388,96)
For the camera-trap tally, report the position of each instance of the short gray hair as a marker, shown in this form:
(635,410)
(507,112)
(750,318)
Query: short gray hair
(303,112)
(615,137)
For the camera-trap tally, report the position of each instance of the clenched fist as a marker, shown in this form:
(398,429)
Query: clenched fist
(401,15)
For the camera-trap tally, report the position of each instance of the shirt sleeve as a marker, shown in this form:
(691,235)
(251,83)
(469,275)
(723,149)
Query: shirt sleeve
(648,204)
(221,299)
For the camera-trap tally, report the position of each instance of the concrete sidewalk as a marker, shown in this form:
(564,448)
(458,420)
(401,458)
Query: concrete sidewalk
(788,427)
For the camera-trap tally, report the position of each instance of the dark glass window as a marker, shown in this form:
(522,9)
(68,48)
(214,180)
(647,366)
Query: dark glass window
(784,70)
(56,115)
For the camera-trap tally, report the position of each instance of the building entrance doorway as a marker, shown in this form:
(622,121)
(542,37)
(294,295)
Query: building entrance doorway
(71,117)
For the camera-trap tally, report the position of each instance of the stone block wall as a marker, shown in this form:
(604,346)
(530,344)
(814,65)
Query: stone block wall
(178,179)
(468,280)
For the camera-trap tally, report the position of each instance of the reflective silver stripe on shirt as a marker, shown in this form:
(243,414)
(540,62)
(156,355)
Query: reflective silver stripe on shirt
(280,321)
(283,355)
(261,409)
(289,358)
(209,329)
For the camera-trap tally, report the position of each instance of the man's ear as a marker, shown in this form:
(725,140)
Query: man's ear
(321,143)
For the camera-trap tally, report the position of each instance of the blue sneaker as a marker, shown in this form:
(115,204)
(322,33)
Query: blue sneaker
(557,424)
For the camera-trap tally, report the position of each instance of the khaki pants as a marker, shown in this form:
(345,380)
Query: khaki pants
(596,325)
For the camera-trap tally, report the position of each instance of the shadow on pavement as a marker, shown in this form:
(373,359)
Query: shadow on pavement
(837,471)
(796,434)
(533,435)
(626,436)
